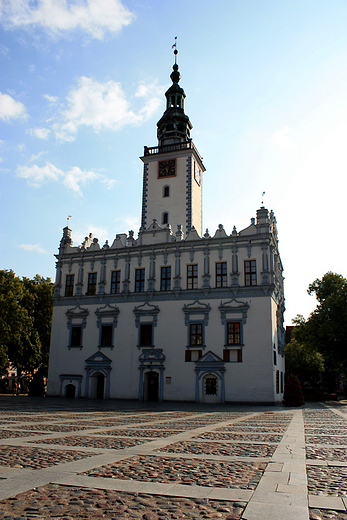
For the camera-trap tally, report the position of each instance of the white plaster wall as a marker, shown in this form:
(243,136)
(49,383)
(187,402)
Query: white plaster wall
(175,205)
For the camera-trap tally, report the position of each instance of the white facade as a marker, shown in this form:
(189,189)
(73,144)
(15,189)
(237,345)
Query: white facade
(172,314)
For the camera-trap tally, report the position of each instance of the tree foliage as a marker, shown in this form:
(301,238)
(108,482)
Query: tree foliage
(323,336)
(304,362)
(25,320)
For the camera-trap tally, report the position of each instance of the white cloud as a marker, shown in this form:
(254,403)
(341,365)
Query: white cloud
(40,133)
(10,108)
(37,175)
(33,248)
(282,139)
(32,68)
(58,17)
(104,106)
(72,179)
(52,99)
(34,157)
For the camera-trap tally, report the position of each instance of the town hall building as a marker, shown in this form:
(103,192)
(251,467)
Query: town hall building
(175,313)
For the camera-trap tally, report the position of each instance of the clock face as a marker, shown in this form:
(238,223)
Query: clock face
(167,168)
(197,174)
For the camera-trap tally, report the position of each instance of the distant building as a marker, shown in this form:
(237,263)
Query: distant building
(173,314)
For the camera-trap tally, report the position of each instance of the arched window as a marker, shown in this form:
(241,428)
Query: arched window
(165,218)
(166,191)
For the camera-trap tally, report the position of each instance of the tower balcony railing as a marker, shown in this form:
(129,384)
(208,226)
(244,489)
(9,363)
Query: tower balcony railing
(171,148)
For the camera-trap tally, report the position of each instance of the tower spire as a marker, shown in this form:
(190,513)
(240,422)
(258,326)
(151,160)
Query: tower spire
(175,51)
(174,126)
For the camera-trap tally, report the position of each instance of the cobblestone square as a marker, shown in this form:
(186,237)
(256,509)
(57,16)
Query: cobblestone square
(70,459)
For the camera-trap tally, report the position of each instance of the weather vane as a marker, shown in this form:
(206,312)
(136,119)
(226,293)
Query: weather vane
(175,51)
(262,198)
(67,219)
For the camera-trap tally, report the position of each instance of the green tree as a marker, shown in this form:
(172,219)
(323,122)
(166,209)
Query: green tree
(40,304)
(25,320)
(325,330)
(304,362)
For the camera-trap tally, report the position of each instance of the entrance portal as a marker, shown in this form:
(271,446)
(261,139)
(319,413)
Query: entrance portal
(152,380)
(70,391)
(97,385)
(210,390)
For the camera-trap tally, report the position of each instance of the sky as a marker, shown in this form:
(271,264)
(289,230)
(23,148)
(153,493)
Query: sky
(82,86)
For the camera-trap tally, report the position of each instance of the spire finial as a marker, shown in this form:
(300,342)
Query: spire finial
(262,198)
(175,51)
(67,220)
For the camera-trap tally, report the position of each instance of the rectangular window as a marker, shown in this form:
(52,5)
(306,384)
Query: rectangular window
(76,336)
(115,282)
(139,280)
(277,382)
(192,276)
(193,355)
(282,383)
(195,334)
(233,333)
(250,272)
(146,334)
(106,336)
(70,278)
(165,279)
(221,274)
(91,289)
(232,356)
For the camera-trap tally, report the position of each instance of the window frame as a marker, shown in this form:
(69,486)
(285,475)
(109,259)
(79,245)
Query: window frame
(76,317)
(197,334)
(165,278)
(150,327)
(69,287)
(102,326)
(71,336)
(92,282)
(250,272)
(233,323)
(107,316)
(192,279)
(166,191)
(115,284)
(221,277)
(140,282)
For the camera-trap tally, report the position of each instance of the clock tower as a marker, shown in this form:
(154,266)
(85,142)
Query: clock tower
(172,173)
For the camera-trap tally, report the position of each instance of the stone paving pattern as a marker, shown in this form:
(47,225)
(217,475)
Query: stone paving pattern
(209,448)
(36,458)
(93,442)
(194,451)
(243,475)
(68,503)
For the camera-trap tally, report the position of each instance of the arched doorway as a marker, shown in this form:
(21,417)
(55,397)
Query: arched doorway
(97,386)
(210,389)
(70,391)
(152,385)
